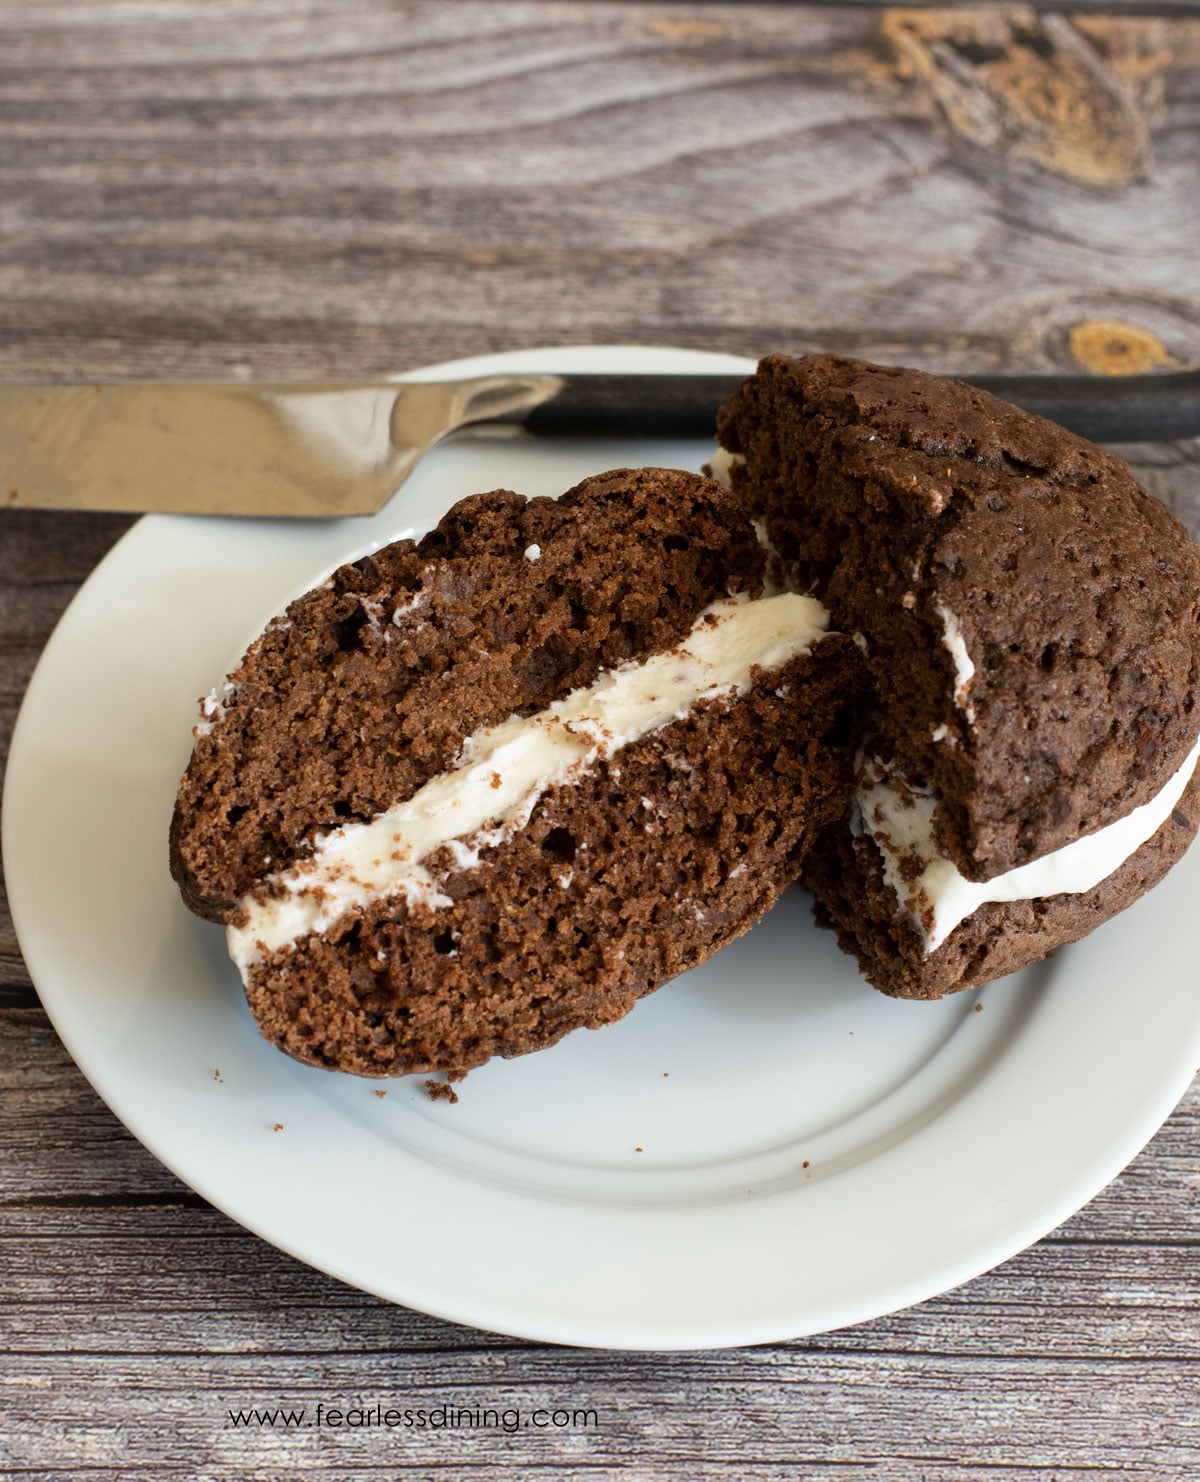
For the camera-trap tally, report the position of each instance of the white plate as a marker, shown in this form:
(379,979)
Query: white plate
(763,1149)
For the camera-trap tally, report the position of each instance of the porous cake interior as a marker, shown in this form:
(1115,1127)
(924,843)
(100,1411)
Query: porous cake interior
(367,686)
(618,881)
(407,886)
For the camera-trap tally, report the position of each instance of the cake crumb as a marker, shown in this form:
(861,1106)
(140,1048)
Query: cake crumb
(441,1091)
(804,1164)
(217,1076)
(278,1127)
(979,1008)
(381,1094)
(637,1150)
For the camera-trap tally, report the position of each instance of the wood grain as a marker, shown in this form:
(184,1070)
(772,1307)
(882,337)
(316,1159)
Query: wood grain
(263,188)
(245,188)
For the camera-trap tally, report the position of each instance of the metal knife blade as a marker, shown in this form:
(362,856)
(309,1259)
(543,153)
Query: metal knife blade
(332,449)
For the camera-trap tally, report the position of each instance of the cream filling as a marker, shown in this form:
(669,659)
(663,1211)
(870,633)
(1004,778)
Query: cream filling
(938,898)
(501,772)
(964,666)
(721,462)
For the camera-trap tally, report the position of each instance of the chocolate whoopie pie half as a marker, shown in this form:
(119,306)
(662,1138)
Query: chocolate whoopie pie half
(1030,618)
(482,789)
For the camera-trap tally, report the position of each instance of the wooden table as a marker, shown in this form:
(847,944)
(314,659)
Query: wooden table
(261,188)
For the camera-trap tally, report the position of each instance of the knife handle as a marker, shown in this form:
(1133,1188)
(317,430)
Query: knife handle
(1109,409)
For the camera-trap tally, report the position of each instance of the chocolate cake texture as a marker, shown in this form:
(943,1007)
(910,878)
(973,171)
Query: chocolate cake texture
(400,896)
(1030,618)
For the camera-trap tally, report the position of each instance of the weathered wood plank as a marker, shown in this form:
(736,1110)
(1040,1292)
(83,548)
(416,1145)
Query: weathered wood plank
(1029,1417)
(314,194)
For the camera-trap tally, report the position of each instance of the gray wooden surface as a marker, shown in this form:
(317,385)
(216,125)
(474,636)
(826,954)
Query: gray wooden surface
(267,188)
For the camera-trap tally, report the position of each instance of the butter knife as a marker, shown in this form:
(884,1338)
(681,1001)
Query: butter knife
(345,448)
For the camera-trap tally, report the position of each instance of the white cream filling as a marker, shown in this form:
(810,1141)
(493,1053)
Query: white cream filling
(938,898)
(964,666)
(721,463)
(502,772)
(212,708)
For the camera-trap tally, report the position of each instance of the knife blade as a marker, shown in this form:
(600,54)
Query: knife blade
(333,449)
